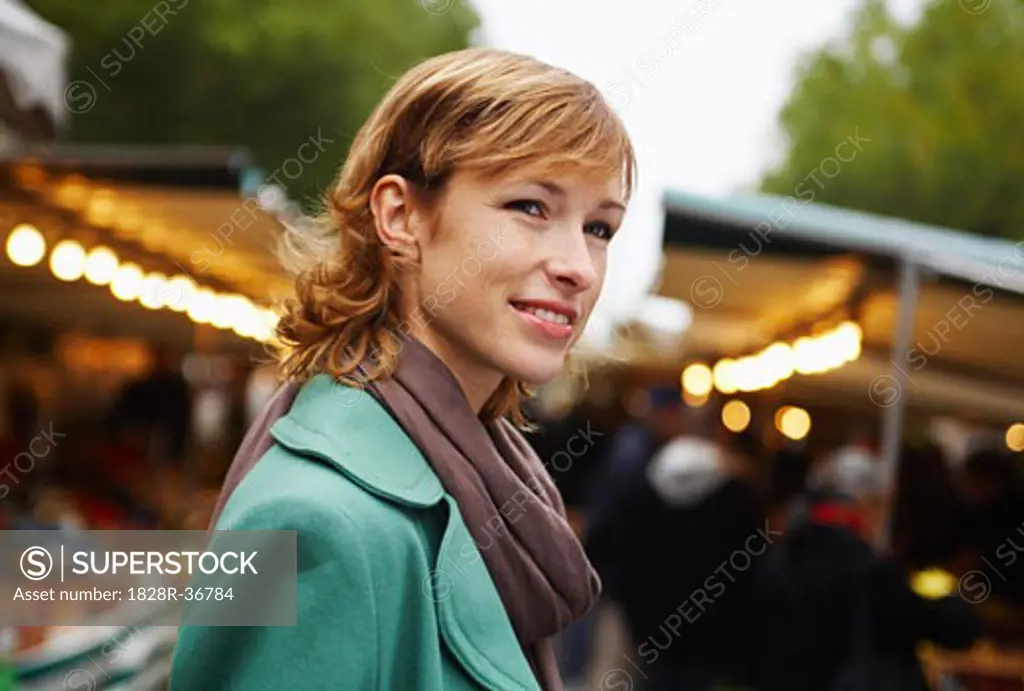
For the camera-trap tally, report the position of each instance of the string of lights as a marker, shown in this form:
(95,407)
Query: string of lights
(69,261)
(814,354)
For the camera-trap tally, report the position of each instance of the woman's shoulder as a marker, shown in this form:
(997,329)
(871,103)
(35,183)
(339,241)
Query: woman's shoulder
(337,520)
(336,447)
(285,490)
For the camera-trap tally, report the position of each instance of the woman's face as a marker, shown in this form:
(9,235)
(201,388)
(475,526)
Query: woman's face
(511,268)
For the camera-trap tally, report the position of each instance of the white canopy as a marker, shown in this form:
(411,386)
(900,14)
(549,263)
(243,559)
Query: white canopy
(33,56)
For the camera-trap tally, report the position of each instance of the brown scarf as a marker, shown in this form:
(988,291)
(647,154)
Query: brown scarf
(538,565)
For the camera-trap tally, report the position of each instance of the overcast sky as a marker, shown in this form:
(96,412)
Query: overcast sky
(699,84)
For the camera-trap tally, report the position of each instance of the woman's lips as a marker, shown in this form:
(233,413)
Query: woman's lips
(548,329)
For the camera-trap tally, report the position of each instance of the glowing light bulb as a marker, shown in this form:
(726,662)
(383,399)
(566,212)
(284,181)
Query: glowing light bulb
(246,319)
(736,416)
(176,292)
(850,337)
(793,422)
(779,359)
(100,265)
(933,584)
(755,372)
(99,211)
(67,260)
(744,375)
(697,379)
(151,289)
(225,310)
(1015,437)
(127,282)
(722,373)
(25,245)
(202,304)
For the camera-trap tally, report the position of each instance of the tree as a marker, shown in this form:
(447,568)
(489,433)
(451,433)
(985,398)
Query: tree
(265,74)
(942,101)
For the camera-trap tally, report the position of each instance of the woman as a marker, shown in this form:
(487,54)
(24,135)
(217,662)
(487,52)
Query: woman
(467,245)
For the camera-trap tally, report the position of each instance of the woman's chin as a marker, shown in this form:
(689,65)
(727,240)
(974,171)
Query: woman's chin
(534,366)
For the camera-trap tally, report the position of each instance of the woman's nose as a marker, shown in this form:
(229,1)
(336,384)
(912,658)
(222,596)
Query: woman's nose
(572,265)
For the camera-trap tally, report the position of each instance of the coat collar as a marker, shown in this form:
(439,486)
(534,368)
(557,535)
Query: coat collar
(337,424)
(350,430)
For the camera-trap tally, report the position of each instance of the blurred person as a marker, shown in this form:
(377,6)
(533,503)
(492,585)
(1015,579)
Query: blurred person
(20,418)
(673,538)
(394,447)
(622,463)
(20,425)
(861,445)
(121,458)
(929,524)
(991,486)
(159,405)
(632,447)
(834,611)
(787,482)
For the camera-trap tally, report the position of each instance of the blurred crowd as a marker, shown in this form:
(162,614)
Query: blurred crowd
(132,460)
(730,564)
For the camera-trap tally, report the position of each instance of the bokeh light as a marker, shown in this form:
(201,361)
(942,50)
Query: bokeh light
(697,379)
(794,423)
(736,416)
(127,282)
(26,245)
(1015,437)
(100,265)
(67,260)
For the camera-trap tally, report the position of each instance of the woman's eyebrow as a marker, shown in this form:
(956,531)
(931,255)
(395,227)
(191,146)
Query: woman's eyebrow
(612,204)
(558,191)
(554,188)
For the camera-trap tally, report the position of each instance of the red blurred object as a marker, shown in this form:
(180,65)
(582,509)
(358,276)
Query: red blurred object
(839,514)
(9,448)
(100,514)
(121,464)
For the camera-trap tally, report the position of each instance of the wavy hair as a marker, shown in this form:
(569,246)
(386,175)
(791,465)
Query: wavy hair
(476,109)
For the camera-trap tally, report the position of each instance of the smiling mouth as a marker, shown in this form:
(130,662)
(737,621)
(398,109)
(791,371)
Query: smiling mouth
(544,314)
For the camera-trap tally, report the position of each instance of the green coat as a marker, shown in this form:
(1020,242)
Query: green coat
(392,592)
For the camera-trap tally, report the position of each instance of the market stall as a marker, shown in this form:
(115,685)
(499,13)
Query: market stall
(813,318)
(109,257)
(938,315)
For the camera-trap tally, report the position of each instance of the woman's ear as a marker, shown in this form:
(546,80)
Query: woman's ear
(391,202)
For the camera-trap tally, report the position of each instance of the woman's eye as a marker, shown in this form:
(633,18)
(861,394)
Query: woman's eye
(527,206)
(599,229)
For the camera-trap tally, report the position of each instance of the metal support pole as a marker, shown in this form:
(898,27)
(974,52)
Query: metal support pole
(899,383)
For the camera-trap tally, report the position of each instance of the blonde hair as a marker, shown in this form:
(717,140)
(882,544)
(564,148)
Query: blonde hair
(479,109)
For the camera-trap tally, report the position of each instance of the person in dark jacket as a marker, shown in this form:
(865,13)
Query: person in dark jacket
(687,531)
(835,611)
(159,406)
(622,467)
(930,519)
(990,482)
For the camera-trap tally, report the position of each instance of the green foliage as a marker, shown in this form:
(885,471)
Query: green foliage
(943,103)
(265,74)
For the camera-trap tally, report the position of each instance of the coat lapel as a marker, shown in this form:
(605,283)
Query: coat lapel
(473,618)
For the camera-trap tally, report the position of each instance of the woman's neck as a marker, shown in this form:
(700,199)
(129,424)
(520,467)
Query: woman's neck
(477,381)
